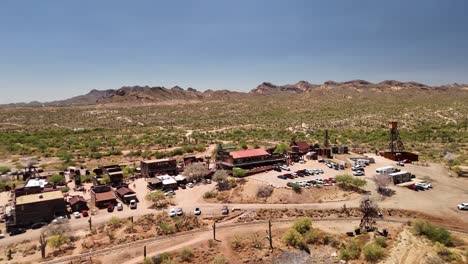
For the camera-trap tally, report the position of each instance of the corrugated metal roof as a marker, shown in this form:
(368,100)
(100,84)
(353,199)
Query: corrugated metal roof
(105,196)
(39,197)
(248,153)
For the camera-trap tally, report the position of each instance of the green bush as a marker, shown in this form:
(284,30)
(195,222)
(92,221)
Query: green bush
(209,195)
(313,236)
(186,254)
(446,254)
(373,252)
(381,241)
(238,172)
(167,228)
(433,233)
(115,222)
(219,260)
(347,179)
(302,225)
(293,238)
(351,250)
(56,178)
(4,170)
(296,188)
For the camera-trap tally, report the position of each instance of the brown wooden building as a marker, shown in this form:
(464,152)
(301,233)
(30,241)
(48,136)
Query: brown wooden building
(102,196)
(152,168)
(39,207)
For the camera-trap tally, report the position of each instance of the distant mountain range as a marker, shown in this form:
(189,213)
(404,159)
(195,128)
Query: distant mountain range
(146,94)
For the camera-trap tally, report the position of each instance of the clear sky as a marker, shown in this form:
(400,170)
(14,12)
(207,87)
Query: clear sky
(56,49)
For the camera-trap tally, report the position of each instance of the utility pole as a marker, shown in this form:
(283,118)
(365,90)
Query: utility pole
(144,252)
(90,223)
(214,231)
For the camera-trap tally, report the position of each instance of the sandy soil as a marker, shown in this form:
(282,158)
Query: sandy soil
(247,194)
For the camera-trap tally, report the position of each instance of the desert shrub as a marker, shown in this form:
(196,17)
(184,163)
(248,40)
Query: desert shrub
(446,254)
(65,189)
(167,228)
(115,222)
(281,148)
(264,191)
(350,250)
(148,261)
(373,252)
(186,254)
(56,178)
(236,243)
(220,259)
(4,170)
(209,195)
(433,233)
(57,241)
(302,225)
(314,236)
(296,188)
(347,179)
(293,238)
(256,241)
(381,241)
(238,172)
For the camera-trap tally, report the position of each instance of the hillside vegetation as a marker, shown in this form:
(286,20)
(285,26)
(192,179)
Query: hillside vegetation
(433,123)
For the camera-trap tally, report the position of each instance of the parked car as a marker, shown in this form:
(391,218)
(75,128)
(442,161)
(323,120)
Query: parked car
(197,211)
(182,186)
(208,181)
(169,193)
(119,207)
(277,168)
(59,220)
(76,214)
(462,206)
(179,212)
(224,210)
(406,161)
(301,161)
(320,160)
(423,185)
(400,163)
(133,204)
(358,173)
(290,184)
(284,167)
(282,177)
(172,212)
(84,213)
(289,176)
(190,185)
(110,208)
(294,175)
(2,235)
(329,165)
(17,231)
(38,225)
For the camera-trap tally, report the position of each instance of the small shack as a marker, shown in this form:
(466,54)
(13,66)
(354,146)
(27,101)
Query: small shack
(78,203)
(126,194)
(154,183)
(102,196)
(168,182)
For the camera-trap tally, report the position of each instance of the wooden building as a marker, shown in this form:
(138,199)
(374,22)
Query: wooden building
(39,207)
(249,159)
(102,196)
(126,194)
(78,203)
(152,168)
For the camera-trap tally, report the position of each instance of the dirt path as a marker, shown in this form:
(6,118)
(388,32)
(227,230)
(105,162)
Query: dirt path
(409,249)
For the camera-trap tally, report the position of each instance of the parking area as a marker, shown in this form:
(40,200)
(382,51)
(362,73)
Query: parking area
(271,177)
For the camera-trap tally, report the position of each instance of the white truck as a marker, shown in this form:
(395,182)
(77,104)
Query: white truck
(386,170)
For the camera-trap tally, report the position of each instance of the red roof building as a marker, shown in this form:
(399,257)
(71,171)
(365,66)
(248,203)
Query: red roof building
(249,159)
(248,153)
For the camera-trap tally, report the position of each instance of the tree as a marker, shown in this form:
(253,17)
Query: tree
(105,179)
(221,177)
(302,225)
(127,171)
(281,148)
(195,171)
(56,178)
(238,172)
(4,170)
(382,182)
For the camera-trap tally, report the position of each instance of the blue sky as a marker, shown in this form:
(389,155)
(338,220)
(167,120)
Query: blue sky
(56,49)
